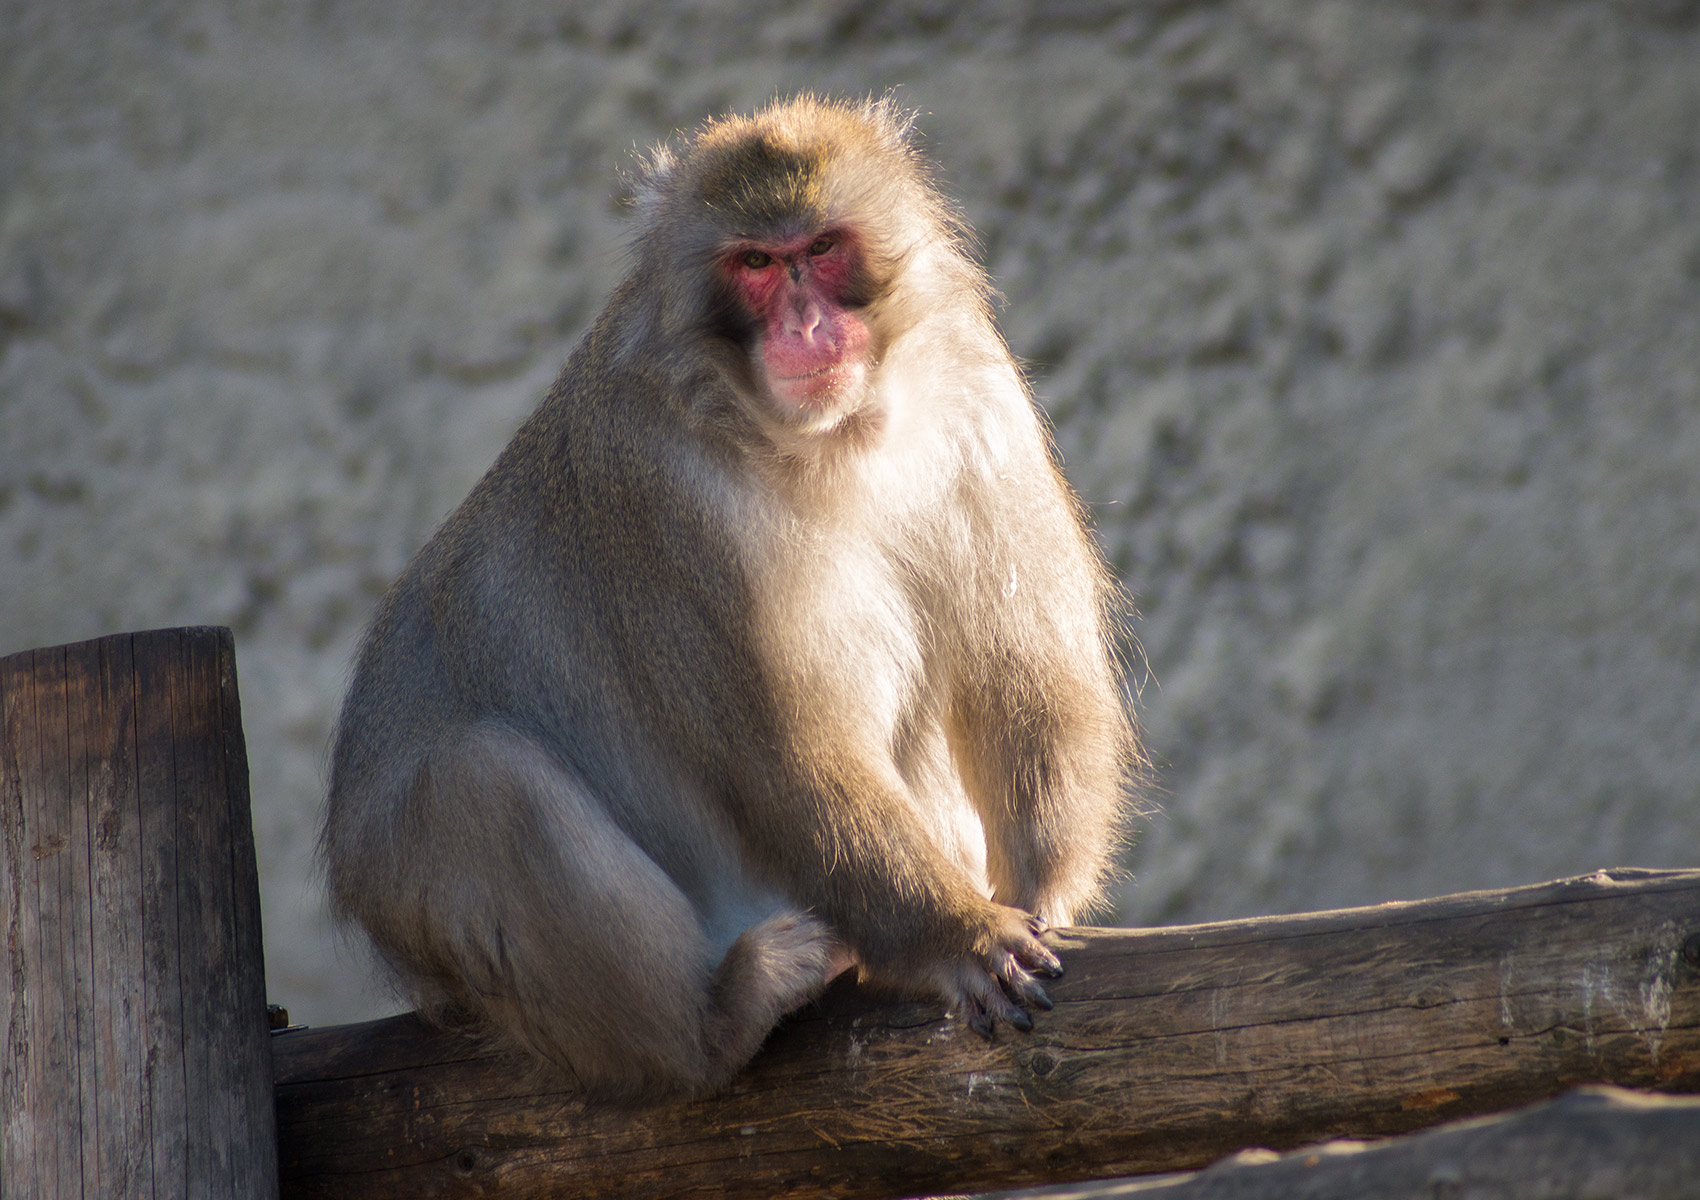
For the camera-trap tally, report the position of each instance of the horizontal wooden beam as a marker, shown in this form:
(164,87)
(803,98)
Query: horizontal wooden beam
(1168,1049)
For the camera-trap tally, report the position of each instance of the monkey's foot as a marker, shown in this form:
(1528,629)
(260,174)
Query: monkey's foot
(775,966)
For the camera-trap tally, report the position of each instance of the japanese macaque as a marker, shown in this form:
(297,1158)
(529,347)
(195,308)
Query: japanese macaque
(773,645)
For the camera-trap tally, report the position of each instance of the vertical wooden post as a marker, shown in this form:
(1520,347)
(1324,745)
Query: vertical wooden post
(136,1053)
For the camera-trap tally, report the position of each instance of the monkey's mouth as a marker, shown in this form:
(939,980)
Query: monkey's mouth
(824,387)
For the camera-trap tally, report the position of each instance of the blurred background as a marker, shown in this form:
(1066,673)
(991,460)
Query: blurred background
(1370,332)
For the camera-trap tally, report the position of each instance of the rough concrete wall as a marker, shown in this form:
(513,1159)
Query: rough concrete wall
(1371,332)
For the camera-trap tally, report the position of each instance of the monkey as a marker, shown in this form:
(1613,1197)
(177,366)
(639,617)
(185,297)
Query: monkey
(773,646)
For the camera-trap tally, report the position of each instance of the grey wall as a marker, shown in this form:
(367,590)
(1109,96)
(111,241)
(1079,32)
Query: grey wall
(1371,333)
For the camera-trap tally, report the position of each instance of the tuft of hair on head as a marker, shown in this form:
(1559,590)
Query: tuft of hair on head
(868,137)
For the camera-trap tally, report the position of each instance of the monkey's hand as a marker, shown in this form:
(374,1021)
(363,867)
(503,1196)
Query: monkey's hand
(998,979)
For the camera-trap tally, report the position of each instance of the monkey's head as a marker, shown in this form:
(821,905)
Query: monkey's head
(795,247)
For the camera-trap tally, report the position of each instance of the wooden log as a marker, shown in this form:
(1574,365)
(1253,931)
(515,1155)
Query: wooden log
(136,1060)
(1595,1143)
(1168,1049)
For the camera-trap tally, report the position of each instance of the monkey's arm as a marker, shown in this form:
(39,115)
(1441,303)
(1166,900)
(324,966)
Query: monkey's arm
(1047,770)
(1041,730)
(845,839)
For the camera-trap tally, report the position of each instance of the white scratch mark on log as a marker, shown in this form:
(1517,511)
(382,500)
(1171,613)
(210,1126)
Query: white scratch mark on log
(975,1079)
(1596,977)
(1656,982)
(1507,972)
(1647,1011)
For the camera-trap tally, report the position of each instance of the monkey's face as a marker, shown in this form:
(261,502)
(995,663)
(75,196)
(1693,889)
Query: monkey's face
(811,347)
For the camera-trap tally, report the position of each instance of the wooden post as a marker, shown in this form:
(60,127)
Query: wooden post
(137,1060)
(1168,1049)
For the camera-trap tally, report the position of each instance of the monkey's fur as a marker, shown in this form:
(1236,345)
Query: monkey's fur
(730,673)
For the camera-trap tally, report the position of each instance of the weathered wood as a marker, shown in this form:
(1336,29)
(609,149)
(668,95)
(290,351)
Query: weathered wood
(1593,1144)
(1168,1049)
(136,1060)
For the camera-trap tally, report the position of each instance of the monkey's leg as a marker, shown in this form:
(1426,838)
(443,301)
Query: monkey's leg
(547,919)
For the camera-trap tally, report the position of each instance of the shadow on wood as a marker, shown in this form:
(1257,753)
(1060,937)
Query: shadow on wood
(1168,1049)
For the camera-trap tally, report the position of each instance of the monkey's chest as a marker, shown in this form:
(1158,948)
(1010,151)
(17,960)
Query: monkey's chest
(863,662)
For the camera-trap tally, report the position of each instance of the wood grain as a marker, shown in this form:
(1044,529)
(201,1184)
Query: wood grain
(136,1055)
(1168,1049)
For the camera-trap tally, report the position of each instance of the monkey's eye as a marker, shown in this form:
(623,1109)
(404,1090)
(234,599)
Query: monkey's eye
(755,260)
(820,246)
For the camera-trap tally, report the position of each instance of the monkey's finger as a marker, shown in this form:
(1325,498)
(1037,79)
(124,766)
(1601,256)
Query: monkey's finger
(1038,959)
(991,992)
(1006,1009)
(1026,990)
(1022,988)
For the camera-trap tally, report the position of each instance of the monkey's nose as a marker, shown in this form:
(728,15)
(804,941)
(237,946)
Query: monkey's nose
(804,319)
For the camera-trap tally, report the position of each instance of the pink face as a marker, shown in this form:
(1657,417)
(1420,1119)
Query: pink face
(813,347)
